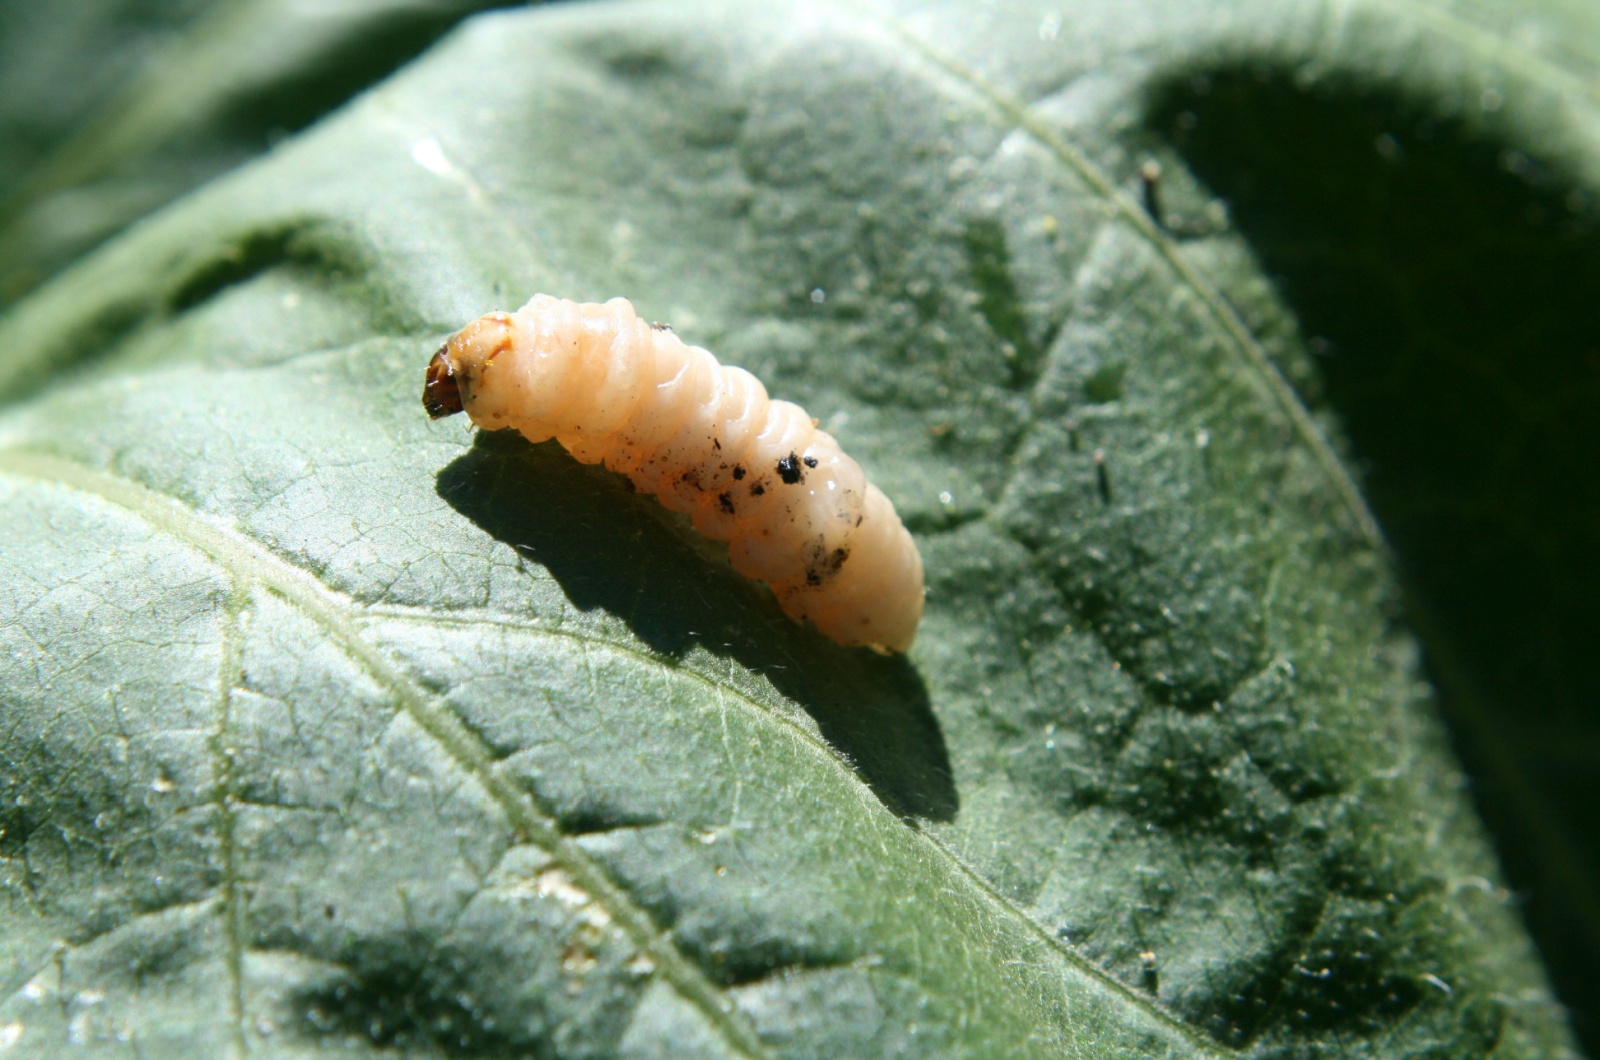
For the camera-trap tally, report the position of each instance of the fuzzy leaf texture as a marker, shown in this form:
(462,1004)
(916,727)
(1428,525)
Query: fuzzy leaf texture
(327,730)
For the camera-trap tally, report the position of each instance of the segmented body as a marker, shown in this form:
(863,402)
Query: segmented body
(705,440)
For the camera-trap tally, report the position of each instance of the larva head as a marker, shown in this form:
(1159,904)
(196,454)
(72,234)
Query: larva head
(440,394)
(448,383)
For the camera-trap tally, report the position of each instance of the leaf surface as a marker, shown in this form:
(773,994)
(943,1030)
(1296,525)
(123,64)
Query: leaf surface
(330,730)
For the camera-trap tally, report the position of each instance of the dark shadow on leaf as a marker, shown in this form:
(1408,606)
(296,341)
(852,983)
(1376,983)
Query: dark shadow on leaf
(418,995)
(1448,283)
(609,551)
(320,68)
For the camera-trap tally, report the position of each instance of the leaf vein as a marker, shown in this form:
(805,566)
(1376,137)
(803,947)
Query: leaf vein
(230,675)
(250,562)
(984,890)
(1254,358)
(1502,48)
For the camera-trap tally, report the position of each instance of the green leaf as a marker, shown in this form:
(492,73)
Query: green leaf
(326,729)
(112,108)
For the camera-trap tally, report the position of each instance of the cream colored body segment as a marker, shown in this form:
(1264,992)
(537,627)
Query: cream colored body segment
(704,439)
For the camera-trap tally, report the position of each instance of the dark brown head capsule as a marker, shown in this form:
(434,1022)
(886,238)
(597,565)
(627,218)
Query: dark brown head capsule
(440,394)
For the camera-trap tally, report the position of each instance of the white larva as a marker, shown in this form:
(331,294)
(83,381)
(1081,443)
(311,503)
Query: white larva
(705,440)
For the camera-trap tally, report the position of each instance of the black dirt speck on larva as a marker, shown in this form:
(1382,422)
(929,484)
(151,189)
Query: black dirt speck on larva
(789,470)
(703,438)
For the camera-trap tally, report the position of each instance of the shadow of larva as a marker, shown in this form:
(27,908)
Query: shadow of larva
(609,551)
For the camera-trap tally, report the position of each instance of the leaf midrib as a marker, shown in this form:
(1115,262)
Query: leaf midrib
(248,562)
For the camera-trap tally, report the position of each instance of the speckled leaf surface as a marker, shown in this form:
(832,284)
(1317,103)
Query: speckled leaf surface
(327,730)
